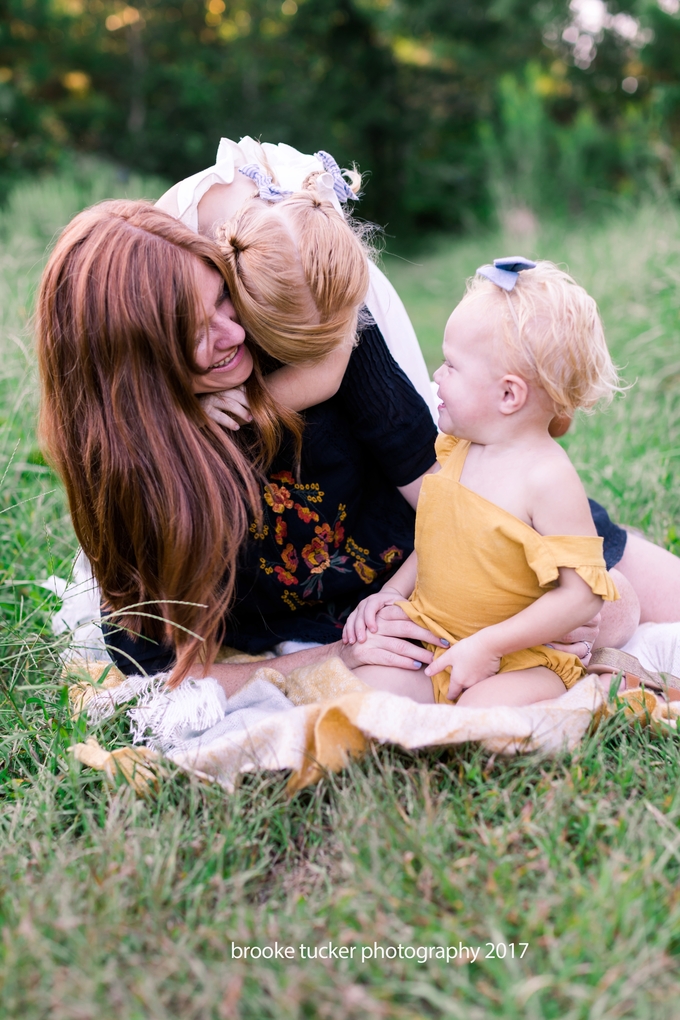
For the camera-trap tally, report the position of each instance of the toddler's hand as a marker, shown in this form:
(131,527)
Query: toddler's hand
(470,661)
(364,616)
(227,407)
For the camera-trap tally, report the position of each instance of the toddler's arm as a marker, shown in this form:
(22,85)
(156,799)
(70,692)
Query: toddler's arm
(558,507)
(398,589)
(298,387)
(293,386)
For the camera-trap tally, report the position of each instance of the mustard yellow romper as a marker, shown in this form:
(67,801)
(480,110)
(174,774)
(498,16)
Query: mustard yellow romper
(479,565)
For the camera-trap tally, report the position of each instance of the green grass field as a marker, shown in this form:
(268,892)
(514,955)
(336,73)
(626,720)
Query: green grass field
(116,907)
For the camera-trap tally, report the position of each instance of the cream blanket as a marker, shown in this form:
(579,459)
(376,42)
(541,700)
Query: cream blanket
(315,720)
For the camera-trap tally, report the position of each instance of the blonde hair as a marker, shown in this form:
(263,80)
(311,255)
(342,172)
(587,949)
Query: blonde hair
(554,336)
(297,281)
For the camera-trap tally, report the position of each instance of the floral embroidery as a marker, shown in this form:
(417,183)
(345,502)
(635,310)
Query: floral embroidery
(316,556)
(327,549)
(305,514)
(285,576)
(280,531)
(278,498)
(284,476)
(259,534)
(366,573)
(392,555)
(328,534)
(292,599)
(290,557)
(355,550)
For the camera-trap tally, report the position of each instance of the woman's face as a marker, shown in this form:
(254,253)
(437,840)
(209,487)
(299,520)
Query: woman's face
(222,349)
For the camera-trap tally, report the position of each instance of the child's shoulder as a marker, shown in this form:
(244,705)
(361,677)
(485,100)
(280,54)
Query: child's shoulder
(556,497)
(550,466)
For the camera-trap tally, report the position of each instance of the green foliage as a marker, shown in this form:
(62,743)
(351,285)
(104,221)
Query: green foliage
(117,908)
(418,92)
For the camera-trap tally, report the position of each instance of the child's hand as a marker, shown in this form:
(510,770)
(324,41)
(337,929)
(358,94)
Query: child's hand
(364,616)
(226,406)
(470,660)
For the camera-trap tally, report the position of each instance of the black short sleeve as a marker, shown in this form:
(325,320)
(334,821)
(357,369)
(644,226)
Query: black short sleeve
(385,413)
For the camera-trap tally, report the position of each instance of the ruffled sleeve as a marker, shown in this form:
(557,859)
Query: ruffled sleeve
(444,446)
(547,553)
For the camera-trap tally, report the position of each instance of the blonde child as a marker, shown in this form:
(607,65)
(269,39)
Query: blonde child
(506,554)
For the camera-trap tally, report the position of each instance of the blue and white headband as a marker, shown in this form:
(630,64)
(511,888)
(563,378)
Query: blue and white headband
(504,272)
(270,192)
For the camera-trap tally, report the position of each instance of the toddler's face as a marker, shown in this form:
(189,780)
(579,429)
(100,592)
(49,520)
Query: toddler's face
(469,379)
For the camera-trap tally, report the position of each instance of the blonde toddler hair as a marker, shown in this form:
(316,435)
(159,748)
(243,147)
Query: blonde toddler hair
(553,333)
(297,280)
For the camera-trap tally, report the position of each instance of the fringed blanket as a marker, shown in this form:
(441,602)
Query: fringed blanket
(315,720)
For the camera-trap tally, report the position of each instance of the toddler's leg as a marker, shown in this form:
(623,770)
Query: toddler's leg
(409,683)
(517,687)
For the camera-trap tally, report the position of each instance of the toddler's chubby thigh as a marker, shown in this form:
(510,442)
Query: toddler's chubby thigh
(516,687)
(409,683)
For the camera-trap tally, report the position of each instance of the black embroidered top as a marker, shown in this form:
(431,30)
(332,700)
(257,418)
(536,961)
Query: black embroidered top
(332,538)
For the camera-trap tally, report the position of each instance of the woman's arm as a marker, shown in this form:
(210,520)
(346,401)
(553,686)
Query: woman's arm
(397,642)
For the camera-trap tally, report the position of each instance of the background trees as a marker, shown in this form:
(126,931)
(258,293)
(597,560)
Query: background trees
(457,109)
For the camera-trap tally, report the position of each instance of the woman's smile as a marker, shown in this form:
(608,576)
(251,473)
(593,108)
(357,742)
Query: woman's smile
(230,360)
(221,352)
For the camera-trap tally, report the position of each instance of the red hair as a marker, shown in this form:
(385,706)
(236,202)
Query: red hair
(161,497)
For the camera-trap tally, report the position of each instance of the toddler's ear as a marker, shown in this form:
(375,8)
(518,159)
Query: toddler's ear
(514,394)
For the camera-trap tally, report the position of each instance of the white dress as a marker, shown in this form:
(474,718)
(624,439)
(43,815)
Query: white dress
(289,168)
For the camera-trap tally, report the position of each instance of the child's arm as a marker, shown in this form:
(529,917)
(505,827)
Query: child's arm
(475,658)
(398,589)
(293,386)
(558,507)
(300,386)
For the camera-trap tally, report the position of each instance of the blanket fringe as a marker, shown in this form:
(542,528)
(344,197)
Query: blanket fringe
(162,718)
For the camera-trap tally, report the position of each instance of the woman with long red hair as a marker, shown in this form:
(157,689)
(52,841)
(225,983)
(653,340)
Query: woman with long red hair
(135,323)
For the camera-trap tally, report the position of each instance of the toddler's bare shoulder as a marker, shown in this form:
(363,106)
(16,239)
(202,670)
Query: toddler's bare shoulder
(553,476)
(558,501)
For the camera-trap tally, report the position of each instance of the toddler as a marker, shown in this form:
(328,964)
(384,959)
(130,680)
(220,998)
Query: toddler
(506,553)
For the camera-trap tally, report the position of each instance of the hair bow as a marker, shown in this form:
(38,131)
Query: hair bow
(504,272)
(269,191)
(340,185)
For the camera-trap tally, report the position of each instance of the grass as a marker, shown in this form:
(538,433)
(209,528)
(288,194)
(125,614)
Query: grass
(115,907)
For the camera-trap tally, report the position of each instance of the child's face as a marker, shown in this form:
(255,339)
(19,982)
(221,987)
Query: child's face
(469,379)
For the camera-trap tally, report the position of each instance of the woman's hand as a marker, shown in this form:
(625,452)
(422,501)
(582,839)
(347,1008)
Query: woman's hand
(471,660)
(391,644)
(365,615)
(580,642)
(227,407)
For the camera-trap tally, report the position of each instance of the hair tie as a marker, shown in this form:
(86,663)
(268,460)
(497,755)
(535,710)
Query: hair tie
(269,191)
(340,185)
(505,272)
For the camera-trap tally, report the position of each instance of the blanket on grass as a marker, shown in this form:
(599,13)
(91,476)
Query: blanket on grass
(315,720)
